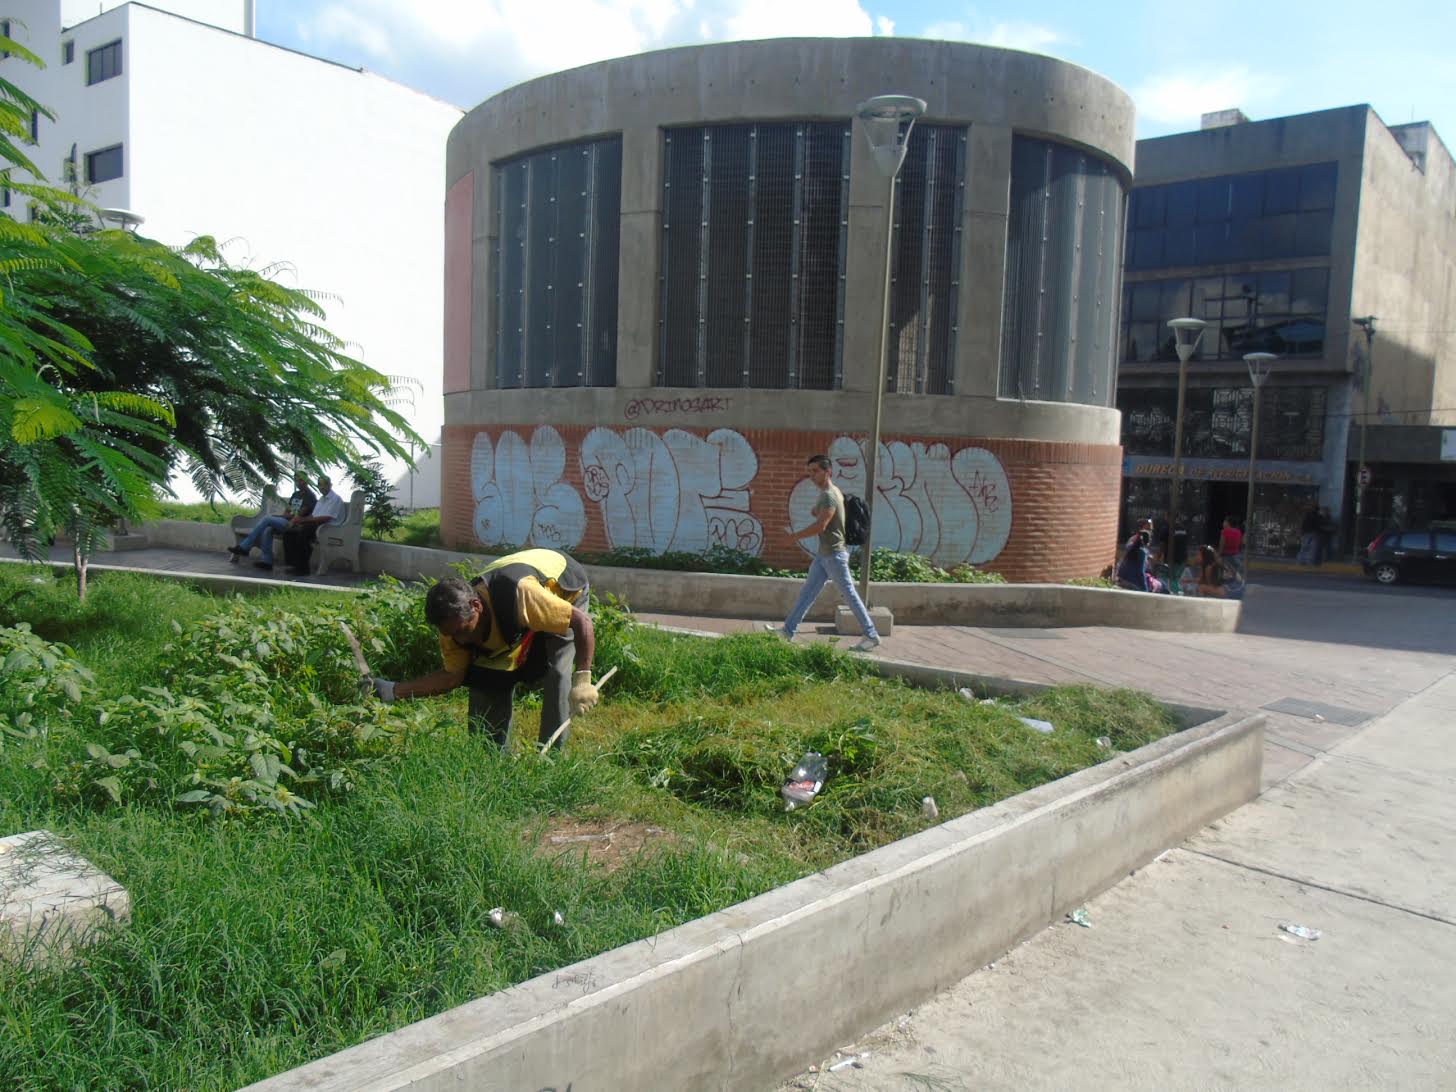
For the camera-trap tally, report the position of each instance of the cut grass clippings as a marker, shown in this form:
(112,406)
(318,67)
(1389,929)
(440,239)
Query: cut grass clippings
(260,941)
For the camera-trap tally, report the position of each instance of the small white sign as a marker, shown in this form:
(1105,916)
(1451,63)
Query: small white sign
(1448,445)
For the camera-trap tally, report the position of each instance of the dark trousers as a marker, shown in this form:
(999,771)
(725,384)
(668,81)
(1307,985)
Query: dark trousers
(550,659)
(298,545)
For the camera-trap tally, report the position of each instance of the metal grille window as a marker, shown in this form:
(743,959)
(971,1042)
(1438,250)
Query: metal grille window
(558,224)
(753,251)
(926,261)
(1062,274)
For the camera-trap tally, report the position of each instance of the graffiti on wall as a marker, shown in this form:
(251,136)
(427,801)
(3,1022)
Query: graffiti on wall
(676,491)
(679,491)
(519,495)
(953,509)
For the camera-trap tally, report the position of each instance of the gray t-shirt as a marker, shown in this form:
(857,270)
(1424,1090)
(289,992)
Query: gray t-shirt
(831,539)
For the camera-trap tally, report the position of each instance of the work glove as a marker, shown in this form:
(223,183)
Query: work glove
(583,694)
(384,688)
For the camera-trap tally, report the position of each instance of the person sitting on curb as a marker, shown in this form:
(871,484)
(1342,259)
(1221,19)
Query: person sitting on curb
(299,504)
(1132,570)
(522,619)
(1210,573)
(302,530)
(830,563)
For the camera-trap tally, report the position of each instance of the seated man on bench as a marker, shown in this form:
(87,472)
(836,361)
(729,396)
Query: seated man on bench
(302,530)
(299,504)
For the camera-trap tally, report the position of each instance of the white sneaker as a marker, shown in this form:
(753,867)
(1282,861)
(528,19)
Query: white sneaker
(866,644)
(777,630)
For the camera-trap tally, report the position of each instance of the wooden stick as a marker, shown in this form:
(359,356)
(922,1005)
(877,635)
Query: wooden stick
(366,677)
(567,722)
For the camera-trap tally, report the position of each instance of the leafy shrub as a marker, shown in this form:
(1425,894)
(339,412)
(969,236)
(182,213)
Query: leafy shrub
(43,682)
(381,515)
(895,567)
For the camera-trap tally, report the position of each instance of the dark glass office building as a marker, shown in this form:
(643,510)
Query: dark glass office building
(1278,234)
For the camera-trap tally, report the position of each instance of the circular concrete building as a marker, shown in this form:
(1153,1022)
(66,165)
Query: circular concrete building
(664,278)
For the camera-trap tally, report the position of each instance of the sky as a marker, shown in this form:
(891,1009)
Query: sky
(1177,60)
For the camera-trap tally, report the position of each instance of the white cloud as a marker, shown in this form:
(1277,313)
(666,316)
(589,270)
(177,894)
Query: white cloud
(1029,36)
(477,47)
(884,26)
(1180,98)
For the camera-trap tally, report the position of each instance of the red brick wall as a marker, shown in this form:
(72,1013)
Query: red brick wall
(1063,497)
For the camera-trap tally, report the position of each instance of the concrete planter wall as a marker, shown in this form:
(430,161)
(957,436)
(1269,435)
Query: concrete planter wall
(741,998)
(773,597)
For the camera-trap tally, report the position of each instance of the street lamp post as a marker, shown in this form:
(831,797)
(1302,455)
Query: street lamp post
(1260,365)
(1187,332)
(1367,324)
(887,121)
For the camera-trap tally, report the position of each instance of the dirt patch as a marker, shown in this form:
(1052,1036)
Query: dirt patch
(607,843)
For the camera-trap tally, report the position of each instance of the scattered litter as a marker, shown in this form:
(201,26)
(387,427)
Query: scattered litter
(844,1064)
(805,781)
(562,839)
(1079,917)
(1304,932)
(556,917)
(1042,726)
(967,693)
(928,808)
(1104,742)
(502,918)
(960,775)
(1319,719)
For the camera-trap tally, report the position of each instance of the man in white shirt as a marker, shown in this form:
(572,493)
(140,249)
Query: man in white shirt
(302,530)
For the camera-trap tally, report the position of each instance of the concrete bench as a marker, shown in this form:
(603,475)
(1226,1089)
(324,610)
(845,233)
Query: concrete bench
(272,505)
(340,541)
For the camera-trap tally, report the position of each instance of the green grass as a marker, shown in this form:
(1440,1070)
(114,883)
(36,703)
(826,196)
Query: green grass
(260,941)
(221,512)
(418,528)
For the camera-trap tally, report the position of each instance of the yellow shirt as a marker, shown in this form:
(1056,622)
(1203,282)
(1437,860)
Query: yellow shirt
(540,609)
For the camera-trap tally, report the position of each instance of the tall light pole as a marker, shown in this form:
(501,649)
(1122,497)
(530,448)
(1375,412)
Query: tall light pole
(1187,332)
(1260,365)
(1366,324)
(887,121)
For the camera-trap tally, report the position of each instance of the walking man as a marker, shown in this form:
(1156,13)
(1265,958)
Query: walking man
(523,619)
(832,560)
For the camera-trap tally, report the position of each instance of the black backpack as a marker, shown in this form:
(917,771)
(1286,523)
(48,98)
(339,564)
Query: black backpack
(856,520)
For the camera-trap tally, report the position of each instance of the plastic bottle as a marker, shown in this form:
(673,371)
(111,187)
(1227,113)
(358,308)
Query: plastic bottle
(805,780)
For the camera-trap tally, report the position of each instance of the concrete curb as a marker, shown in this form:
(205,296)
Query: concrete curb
(740,998)
(726,595)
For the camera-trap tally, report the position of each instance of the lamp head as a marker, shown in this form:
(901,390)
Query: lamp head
(887,121)
(1188,332)
(1260,365)
(123,218)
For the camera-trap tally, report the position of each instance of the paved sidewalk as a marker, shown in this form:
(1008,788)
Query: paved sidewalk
(1185,978)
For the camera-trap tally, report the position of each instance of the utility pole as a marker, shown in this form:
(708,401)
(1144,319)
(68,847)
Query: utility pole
(1366,324)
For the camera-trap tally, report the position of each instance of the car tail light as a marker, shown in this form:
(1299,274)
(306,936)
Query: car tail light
(1377,541)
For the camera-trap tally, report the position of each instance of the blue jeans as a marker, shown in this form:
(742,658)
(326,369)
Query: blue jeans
(262,536)
(833,567)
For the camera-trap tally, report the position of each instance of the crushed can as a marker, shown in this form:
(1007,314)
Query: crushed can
(804,781)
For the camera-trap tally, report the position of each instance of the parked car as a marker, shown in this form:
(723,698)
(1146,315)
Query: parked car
(1421,557)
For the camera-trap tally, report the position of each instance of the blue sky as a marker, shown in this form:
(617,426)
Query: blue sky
(1176,59)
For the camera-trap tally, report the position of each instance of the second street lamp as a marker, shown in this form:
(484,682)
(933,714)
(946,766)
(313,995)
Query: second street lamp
(1260,365)
(887,121)
(1187,332)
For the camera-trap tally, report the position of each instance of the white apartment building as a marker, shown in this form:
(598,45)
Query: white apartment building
(183,117)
